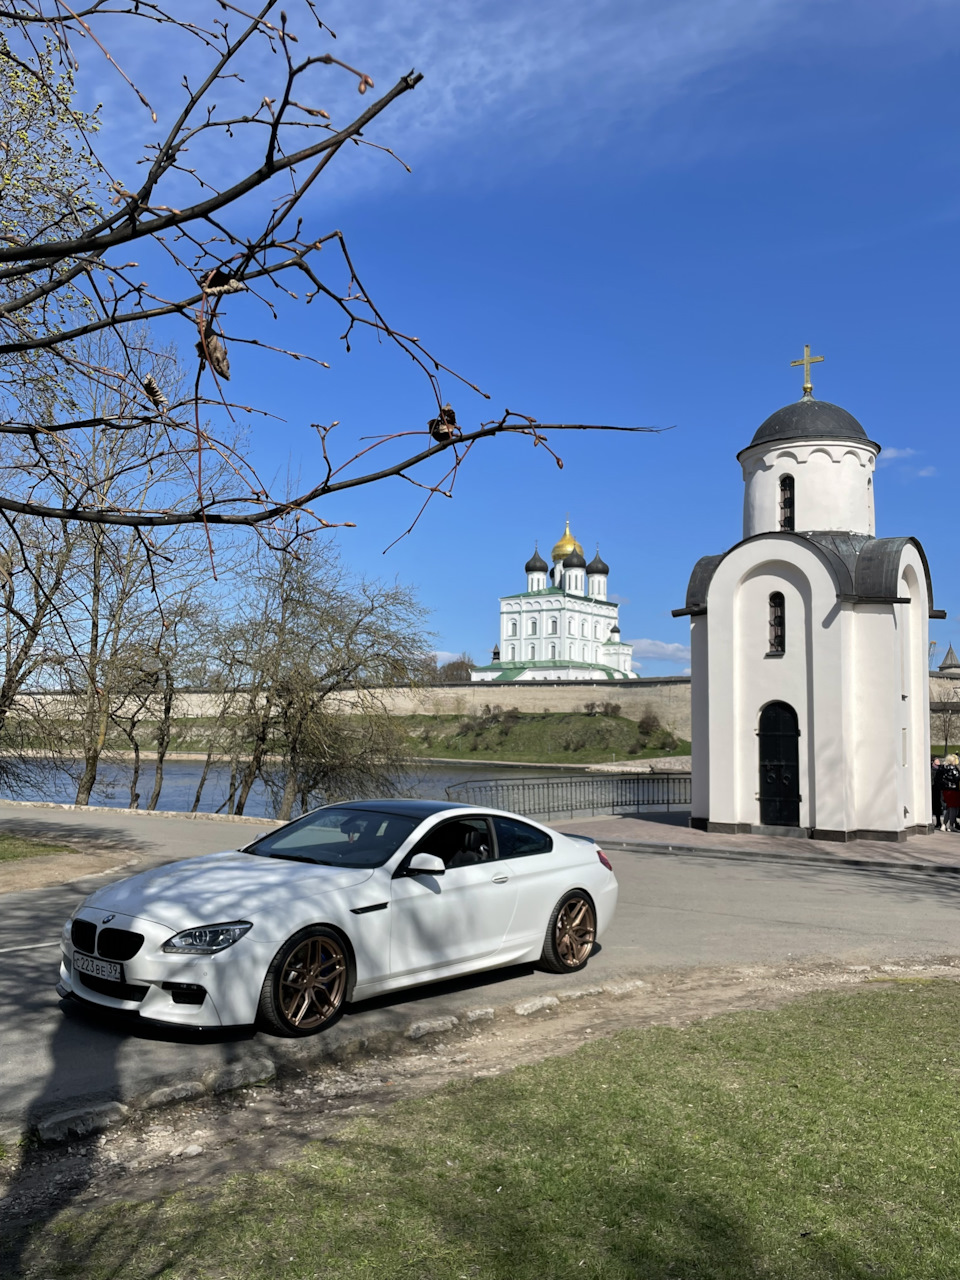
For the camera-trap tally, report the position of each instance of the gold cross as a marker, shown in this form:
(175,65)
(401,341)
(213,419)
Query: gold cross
(807,361)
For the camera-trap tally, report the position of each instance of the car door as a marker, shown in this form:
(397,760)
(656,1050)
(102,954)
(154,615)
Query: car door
(458,918)
(539,876)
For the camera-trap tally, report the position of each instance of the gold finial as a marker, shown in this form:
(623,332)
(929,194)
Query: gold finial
(807,361)
(566,545)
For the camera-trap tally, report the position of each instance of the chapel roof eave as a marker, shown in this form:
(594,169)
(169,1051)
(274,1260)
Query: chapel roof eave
(764,446)
(865,569)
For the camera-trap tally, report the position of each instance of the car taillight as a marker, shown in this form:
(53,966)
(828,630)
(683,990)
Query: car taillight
(604,859)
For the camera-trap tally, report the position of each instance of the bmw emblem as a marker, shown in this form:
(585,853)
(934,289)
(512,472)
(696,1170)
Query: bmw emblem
(107,919)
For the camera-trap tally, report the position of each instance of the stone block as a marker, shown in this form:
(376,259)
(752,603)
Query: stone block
(237,1074)
(534,1005)
(79,1121)
(431,1026)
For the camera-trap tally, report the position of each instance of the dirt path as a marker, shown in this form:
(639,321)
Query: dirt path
(187,1144)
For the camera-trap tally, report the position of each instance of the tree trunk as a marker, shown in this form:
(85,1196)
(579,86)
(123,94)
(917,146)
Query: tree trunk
(134,793)
(203,781)
(249,776)
(290,788)
(163,736)
(92,740)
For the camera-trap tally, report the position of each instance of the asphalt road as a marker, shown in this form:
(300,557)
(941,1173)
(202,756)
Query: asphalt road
(674,912)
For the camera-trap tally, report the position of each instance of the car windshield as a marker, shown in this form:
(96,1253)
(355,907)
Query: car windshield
(338,838)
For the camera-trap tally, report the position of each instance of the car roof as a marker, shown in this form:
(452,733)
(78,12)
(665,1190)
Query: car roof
(402,808)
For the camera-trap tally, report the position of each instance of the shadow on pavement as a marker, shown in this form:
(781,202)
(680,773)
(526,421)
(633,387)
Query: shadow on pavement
(28,1197)
(104,839)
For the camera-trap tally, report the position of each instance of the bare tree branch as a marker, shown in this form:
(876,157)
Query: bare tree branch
(234,246)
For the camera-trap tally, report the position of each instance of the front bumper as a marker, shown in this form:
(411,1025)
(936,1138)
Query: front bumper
(163,987)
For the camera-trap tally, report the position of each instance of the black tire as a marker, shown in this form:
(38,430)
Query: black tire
(307,983)
(571,933)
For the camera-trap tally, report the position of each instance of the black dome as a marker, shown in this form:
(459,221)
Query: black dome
(596,565)
(809,419)
(574,561)
(536,564)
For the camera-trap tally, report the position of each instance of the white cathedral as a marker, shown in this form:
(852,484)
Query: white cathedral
(810,701)
(562,627)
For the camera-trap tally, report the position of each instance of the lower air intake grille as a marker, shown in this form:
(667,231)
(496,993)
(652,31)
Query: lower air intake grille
(119,990)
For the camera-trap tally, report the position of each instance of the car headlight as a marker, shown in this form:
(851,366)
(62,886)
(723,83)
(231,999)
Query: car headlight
(207,939)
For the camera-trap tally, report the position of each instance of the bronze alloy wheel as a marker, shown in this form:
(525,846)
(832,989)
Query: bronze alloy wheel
(306,984)
(312,981)
(571,934)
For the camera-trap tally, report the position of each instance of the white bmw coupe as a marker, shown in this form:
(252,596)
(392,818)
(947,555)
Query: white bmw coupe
(347,902)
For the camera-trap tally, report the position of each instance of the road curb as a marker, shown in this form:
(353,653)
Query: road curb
(145,813)
(770,855)
(93,1114)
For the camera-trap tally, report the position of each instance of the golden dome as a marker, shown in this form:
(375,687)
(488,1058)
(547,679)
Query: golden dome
(566,545)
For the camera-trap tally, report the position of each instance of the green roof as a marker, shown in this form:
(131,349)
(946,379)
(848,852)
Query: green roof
(507,670)
(555,591)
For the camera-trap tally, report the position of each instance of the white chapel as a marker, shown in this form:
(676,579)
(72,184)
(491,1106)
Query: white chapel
(810,702)
(562,627)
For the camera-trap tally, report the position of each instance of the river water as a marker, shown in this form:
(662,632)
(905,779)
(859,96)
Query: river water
(180,779)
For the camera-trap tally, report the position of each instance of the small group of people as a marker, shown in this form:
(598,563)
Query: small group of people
(945,781)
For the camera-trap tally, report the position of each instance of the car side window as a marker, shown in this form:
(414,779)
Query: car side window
(517,840)
(461,843)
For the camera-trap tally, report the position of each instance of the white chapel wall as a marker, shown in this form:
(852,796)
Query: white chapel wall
(833,486)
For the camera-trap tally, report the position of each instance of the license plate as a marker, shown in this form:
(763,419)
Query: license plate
(107,969)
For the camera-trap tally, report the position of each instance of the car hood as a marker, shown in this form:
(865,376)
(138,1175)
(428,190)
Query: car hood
(219,887)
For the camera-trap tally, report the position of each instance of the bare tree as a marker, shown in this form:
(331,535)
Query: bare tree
(456,671)
(34,564)
(303,668)
(945,713)
(127,587)
(211,254)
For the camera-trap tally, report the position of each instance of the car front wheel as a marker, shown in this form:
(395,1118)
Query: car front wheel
(306,983)
(571,933)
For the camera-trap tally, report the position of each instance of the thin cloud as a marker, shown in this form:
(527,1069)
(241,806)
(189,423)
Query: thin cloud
(895,455)
(660,651)
(506,78)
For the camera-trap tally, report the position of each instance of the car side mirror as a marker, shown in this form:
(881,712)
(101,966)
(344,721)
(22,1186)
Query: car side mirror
(425,864)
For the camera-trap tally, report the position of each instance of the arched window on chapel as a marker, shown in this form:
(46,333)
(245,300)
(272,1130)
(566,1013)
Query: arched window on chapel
(513,627)
(778,637)
(786,504)
(533,626)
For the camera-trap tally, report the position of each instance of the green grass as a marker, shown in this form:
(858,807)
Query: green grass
(13,848)
(536,738)
(818,1141)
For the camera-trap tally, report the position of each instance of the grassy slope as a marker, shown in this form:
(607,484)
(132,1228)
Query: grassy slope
(547,738)
(14,847)
(817,1141)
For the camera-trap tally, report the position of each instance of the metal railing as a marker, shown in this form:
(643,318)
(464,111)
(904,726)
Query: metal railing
(578,795)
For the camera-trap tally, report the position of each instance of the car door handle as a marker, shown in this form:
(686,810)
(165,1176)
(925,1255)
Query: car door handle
(501,879)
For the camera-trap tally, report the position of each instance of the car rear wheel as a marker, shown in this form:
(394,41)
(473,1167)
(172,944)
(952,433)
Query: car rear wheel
(571,933)
(306,983)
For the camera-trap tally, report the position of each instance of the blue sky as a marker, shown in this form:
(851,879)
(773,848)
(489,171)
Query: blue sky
(638,213)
